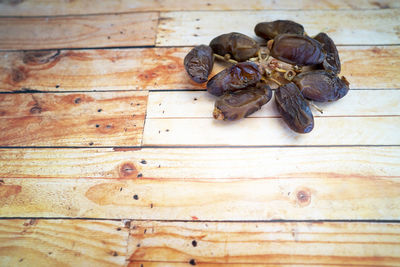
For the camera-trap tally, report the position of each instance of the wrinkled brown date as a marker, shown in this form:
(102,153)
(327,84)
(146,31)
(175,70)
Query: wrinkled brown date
(294,108)
(238,45)
(297,50)
(234,78)
(239,104)
(269,30)
(199,63)
(321,86)
(332,60)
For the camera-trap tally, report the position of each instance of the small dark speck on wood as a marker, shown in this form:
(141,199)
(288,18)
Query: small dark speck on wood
(143,162)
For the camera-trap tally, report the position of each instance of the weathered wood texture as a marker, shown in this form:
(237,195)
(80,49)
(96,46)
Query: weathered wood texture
(80,119)
(135,29)
(355,244)
(365,27)
(201,105)
(327,131)
(338,198)
(51,8)
(210,163)
(161,68)
(62,243)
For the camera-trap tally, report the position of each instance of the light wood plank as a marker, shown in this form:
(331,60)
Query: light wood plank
(210,163)
(135,29)
(322,244)
(201,105)
(161,68)
(82,119)
(341,198)
(345,27)
(51,8)
(62,243)
(271,132)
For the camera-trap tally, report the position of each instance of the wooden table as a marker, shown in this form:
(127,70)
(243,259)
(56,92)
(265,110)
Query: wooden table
(110,156)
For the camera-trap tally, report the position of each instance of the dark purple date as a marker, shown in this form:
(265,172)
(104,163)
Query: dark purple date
(234,78)
(269,30)
(241,47)
(199,63)
(297,50)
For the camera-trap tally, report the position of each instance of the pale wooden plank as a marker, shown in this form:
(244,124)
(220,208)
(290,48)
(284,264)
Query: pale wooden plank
(271,132)
(341,198)
(346,27)
(210,163)
(322,244)
(51,8)
(74,32)
(201,105)
(82,119)
(161,68)
(62,243)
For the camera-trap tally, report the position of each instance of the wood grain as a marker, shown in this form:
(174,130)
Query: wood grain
(135,29)
(338,198)
(161,68)
(209,163)
(345,27)
(80,119)
(359,244)
(51,8)
(327,131)
(62,243)
(201,105)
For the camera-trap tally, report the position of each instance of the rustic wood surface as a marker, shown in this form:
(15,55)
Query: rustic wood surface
(109,155)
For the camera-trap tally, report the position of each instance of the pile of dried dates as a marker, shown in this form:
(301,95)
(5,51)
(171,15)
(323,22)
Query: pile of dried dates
(300,68)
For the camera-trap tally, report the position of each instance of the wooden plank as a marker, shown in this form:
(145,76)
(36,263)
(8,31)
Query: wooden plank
(160,68)
(134,29)
(346,27)
(210,163)
(80,119)
(62,243)
(327,131)
(340,198)
(201,105)
(51,8)
(322,244)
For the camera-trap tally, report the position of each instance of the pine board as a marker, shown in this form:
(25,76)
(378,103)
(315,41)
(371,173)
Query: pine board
(33,242)
(201,105)
(52,8)
(366,67)
(80,119)
(264,244)
(328,131)
(137,29)
(202,163)
(337,198)
(345,27)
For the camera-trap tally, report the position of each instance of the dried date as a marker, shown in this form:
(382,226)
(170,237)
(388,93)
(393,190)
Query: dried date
(234,78)
(294,108)
(297,50)
(241,47)
(239,104)
(269,30)
(199,63)
(332,60)
(321,86)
